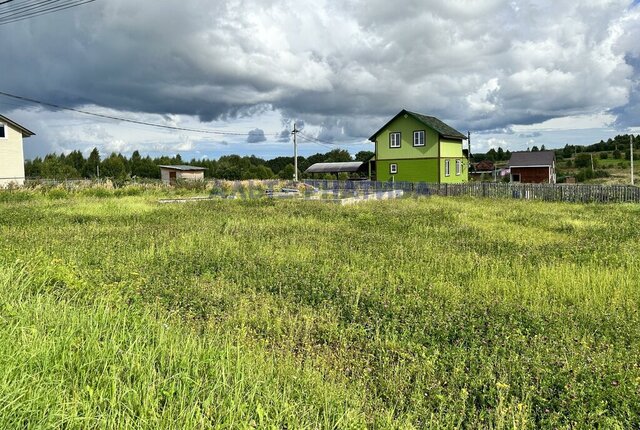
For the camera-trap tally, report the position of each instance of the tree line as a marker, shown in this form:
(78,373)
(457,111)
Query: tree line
(619,146)
(232,167)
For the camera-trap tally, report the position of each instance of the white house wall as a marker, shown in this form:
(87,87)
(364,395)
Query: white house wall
(11,157)
(181,175)
(191,176)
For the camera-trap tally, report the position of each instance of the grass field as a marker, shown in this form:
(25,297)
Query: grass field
(118,312)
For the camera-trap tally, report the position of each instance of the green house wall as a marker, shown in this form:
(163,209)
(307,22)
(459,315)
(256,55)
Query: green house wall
(418,170)
(406,127)
(453,178)
(450,148)
(418,163)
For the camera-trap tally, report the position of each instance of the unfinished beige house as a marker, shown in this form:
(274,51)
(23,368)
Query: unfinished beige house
(172,174)
(11,152)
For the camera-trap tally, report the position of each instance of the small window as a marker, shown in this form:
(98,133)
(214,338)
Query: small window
(515,177)
(447,168)
(394,140)
(418,138)
(458,167)
(3,132)
(393,168)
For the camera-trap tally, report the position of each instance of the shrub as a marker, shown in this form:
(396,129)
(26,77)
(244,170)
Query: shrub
(583,160)
(57,194)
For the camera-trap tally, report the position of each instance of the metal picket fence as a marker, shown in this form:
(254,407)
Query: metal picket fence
(548,192)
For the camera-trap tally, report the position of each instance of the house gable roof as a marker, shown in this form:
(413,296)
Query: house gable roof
(25,131)
(432,122)
(530,159)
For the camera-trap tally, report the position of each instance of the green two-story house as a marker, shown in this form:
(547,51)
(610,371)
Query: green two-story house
(419,148)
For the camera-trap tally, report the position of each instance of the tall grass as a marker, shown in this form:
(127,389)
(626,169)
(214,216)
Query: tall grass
(70,363)
(397,314)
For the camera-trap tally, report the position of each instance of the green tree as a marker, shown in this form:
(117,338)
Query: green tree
(54,168)
(338,155)
(287,172)
(583,160)
(364,155)
(33,168)
(76,160)
(113,167)
(91,166)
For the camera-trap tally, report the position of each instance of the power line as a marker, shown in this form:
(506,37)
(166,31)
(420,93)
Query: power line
(315,139)
(21,16)
(37,9)
(7,1)
(26,6)
(133,121)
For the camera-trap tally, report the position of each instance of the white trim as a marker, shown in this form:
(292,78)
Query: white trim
(447,167)
(418,133)
(393,168)
(458,167)
(392,141)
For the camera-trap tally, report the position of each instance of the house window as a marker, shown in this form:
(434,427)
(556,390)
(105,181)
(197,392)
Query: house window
(458,167)
(393,168)
(447,167)
(418,138)
(3,131)
(515,177)
(394,140)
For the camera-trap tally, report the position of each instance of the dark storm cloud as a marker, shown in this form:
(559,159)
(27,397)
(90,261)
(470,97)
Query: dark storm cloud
(344,67)
(256,135)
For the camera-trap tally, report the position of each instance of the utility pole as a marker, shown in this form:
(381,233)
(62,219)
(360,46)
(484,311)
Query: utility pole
(469,144)
(295,153)
(592,169)
(631,156)
(98,170)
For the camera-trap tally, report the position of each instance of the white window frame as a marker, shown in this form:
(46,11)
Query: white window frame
(447,167)
(458,167)
(419,134)
(395,139)
(6,130)
(393,168)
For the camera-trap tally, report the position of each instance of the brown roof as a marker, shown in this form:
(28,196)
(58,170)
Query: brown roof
(25,132)
(484,166)
(531,159)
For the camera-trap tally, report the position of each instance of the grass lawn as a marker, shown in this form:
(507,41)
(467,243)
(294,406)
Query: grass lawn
(119,312)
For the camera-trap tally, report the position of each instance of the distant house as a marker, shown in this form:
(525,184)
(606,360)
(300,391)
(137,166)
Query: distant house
(483,169)
(172,174)
(419,148)
(484,166)
(533,167)
(11,151)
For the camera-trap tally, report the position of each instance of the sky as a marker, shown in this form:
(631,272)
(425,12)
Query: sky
(513,73)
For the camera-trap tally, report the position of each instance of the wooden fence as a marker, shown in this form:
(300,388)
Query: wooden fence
(548,192)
